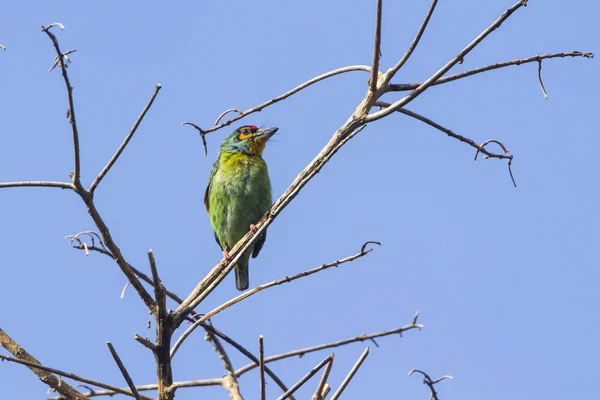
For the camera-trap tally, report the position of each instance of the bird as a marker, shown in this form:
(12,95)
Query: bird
(238,194)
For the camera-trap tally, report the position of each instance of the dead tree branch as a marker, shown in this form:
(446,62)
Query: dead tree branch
(123,370)
(114,158)
(392,71)
(350,375)
(71,113)
(376,49)
(321,391)
(429,382)
(412,86)
(46,376)
(363,252)
(480,148)
(306,377)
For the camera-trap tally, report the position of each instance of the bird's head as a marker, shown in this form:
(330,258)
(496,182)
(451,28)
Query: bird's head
(248,139)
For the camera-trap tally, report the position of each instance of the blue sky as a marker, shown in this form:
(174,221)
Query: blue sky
(506,279)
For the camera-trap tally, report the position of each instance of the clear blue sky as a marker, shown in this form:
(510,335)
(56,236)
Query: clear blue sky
(506,279)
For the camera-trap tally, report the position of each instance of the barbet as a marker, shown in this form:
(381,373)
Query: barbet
(239,193)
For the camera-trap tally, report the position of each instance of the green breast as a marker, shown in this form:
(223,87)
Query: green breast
(239,195)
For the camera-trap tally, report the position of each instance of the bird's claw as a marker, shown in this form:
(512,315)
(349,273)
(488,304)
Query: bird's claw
(253,228)
(226,254)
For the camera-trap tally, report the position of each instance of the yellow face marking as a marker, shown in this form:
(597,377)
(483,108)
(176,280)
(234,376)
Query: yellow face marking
(244,136)
(257,146)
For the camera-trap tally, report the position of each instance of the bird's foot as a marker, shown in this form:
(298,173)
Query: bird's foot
(253,228)
(226,254)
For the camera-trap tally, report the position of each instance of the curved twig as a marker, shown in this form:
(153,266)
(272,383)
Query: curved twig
(429,382)
(224,113)
(202,135)
(284,96)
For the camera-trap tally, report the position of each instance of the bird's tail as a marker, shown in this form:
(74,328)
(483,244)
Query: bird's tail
(242,280)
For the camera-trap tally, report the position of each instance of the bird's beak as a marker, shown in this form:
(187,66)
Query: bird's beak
(264,135)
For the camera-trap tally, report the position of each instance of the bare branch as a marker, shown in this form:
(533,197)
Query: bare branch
(61,185)
(3,47)
(34,365)
(351,128)
(248,354)
(541,81)
(491,67)
(224,113)
(429,382)
(376,49)
(480,148)
(284,96)
(114,158)
(81,246)
(458,58)
(306,377)
(261,366)
(307,350)
(202,135)
(320,392)
(153,386)
(71,113)
(350,375)
(164,332)
(145,342)
(260,288)
(123,370)
(390,74)
(230,384)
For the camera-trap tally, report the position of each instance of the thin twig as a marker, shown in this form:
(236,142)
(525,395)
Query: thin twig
(506,155)
(114,158)
(248,354)
(224,113)
(319,393)
(306,377)
(541,81)
(123,370)
(283,96)
(414,43)
(231,384)
(202,133)
(307,350)
(260,288)
(261,366)
(458,58)
(71,114)
(479,148)
(62,185)
(429,382)
(376,48)
(3,47)
(139,273)
(411,86)
(350,375)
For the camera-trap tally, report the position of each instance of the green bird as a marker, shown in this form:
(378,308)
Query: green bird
(239,193)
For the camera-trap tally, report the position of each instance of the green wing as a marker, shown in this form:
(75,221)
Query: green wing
(206,194)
